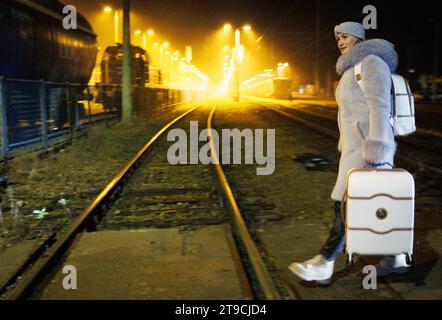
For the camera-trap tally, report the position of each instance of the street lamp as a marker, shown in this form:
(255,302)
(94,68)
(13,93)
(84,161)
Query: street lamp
(162,47)
(116,21)
(146,35)
(237,56)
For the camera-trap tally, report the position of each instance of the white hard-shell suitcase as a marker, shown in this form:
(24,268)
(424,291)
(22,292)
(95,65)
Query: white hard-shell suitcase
(379,213)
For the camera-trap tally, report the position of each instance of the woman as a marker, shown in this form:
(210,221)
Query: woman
(366,136)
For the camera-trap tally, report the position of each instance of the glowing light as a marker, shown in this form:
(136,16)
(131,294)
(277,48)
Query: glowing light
(137,32)
(107,9)
(165,44)
(227,26)
(155,44)
(247,28)
(150,32)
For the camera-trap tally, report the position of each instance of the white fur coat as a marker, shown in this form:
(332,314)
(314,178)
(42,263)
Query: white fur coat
(366,135)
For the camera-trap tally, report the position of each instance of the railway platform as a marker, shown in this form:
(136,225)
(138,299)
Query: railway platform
(153,264)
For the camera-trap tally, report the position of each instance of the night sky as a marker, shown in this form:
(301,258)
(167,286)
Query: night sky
(288,27)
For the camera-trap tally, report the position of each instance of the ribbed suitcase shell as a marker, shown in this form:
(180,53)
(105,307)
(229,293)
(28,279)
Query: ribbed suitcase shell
(379,212)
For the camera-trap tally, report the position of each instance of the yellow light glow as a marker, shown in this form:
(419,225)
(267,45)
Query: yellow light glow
(150,32)
(155,44)
(247,28)
(227,26)
(137,32)
(107,9)
(165,44)
(176,53)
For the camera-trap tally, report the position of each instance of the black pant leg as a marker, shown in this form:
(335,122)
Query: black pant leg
(336,234)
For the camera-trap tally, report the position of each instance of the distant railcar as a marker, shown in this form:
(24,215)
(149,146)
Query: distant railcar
(282,88)
(268,87)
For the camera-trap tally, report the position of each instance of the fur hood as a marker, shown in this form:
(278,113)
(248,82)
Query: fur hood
(379,47)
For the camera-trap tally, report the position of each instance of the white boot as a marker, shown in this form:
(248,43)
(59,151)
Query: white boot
(316,269)
(392,264)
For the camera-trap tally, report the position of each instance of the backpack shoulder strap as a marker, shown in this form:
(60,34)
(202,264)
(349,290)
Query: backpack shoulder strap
(358,73)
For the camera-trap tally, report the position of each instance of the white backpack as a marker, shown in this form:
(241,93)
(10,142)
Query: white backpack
(402,104)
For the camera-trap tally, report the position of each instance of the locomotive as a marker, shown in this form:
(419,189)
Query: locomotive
(144,73)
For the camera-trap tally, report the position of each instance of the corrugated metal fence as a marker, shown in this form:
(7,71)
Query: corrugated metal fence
(37,113)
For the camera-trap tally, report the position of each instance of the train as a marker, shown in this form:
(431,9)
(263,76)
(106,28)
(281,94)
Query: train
(144,73)
(34,45)
(38,55)
(147,79)
(268,86)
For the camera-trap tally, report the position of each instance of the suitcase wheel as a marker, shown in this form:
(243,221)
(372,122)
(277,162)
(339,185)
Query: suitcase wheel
(350,259)
(409,259)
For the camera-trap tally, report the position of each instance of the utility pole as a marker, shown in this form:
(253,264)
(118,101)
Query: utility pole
(127,101)
(318,39)
(436,48)
(435,59)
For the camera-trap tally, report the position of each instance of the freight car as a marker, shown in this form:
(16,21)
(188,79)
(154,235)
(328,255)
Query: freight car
(35,46)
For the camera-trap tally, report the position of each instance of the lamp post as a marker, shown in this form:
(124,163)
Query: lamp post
(146,35)
(162,48)
(237,60)
(156,53)
(127,99)
(116,21)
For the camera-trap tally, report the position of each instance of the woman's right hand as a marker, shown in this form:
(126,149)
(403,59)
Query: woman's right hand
(380,166)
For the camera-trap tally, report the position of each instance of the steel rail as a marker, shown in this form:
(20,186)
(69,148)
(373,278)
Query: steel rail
(86,220)
(409,140)
(335,134)
(262,275)
(303,122)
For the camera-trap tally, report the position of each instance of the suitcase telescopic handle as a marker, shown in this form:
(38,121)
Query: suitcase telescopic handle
(343,203)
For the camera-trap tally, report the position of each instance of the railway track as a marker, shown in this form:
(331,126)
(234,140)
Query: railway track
(150,193)
(420,139)
(327,125)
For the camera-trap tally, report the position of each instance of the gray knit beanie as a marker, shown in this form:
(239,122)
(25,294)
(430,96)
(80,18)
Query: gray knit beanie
(352,28)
